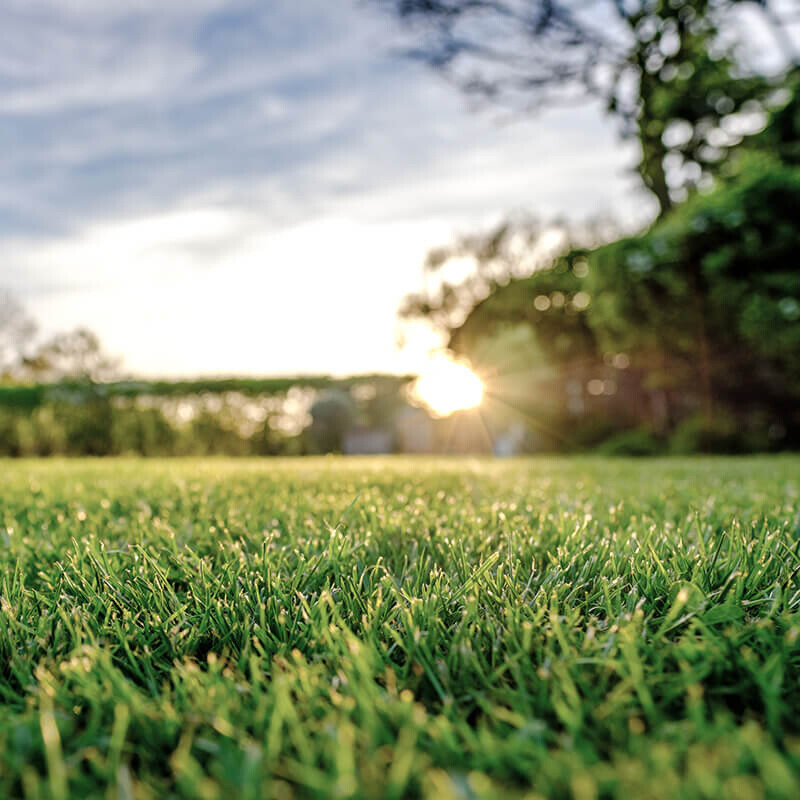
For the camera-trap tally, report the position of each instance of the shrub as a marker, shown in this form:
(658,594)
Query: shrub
(636,442)
(697,435)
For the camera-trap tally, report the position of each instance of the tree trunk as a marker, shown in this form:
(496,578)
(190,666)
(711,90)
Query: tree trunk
(704,352)
(651,170)
(650,129)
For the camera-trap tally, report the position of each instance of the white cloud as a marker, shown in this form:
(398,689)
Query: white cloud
(253,194)
(315,297)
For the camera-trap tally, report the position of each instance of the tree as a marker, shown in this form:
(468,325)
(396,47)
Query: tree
(699,314)
(525,256)
(665,69)
(76,355)
(703,309)
(715,288)
(17,330)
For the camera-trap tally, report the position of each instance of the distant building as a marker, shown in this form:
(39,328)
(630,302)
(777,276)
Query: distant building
(367,441)
(414,431)
(510,442)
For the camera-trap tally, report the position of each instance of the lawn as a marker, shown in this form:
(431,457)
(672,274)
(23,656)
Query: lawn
(400,628)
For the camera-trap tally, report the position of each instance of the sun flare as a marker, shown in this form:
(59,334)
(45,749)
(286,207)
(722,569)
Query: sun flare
(447,386)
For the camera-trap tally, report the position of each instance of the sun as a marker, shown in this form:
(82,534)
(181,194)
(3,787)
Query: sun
(447,386)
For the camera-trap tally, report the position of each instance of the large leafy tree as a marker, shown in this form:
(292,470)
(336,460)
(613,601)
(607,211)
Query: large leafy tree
(714,287)
(667,70)
(704,306)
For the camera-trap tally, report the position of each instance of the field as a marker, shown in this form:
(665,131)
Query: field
(400,628)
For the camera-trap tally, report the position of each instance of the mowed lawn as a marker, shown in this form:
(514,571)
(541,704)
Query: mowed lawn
(396,628)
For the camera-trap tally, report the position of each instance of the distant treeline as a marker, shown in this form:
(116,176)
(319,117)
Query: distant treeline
(31,396)
(273,416)
(311,415)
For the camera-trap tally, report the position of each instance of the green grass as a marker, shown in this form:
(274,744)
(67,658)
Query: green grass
(400,628)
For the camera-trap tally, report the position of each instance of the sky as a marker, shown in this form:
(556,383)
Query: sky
(250,188)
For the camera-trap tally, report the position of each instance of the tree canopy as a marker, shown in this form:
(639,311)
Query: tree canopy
(673,73)
(697,315)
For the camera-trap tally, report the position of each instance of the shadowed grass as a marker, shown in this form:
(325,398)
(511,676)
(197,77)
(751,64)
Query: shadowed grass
(400,628)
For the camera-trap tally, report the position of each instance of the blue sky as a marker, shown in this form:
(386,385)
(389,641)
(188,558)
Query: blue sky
(250,187)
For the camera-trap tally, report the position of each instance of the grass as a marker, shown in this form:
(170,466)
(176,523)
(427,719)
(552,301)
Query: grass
(400,628)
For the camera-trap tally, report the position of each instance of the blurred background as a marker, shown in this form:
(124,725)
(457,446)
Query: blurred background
(456,226)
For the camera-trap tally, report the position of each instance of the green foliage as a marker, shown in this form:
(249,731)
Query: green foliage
(719,273)
(266,441)
(32,395)
(636,442)
(702,311)
(144,418)
(389,628)
(697,435)
(21,396)
(143,431)
(88,426)
(690,89)
(332,415)
(9,434)
(209,435)
(546,302)
(588,434)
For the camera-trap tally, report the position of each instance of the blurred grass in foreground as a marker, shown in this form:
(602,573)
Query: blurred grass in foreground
(400,627)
